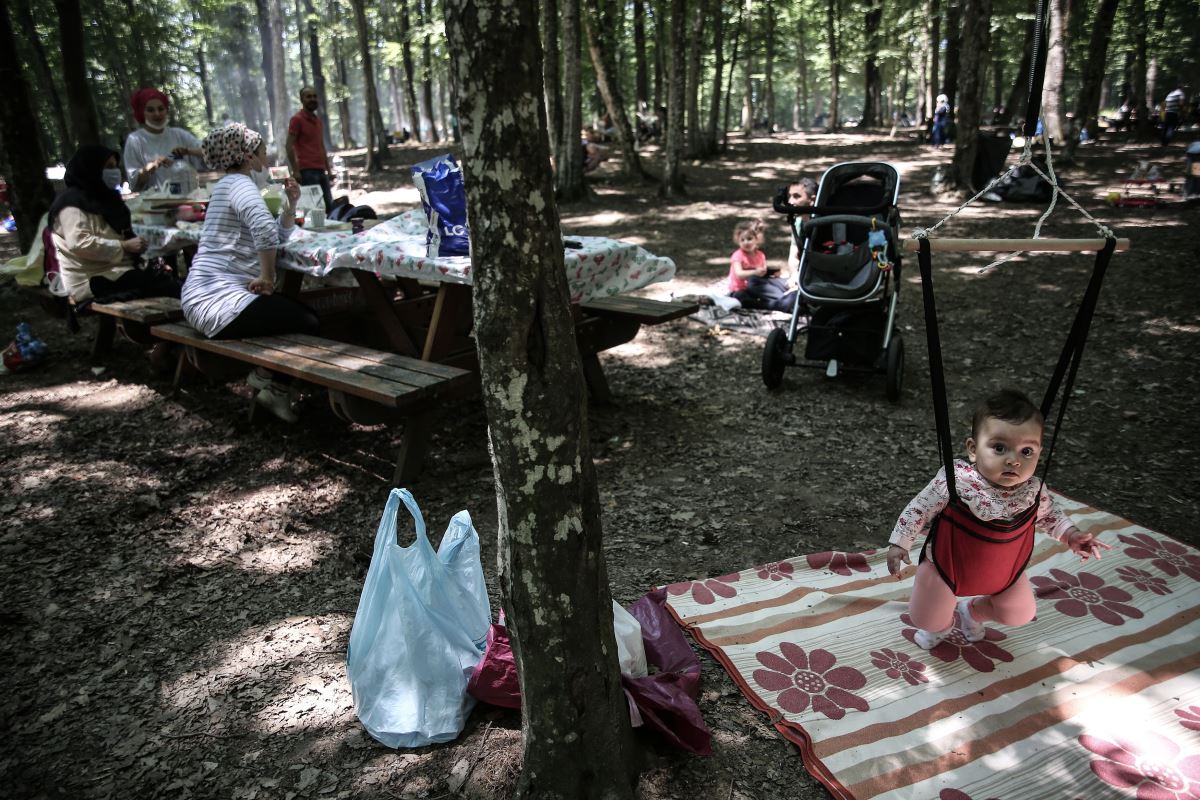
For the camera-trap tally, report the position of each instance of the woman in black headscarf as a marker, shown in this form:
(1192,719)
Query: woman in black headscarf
(93,236)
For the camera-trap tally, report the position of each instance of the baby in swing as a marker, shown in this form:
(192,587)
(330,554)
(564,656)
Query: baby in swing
(981,527)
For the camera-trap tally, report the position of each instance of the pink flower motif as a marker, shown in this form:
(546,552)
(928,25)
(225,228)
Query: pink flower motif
(1079,594)
(1146,581)
(1189,717)
(802,678)
(703,592)
(899,665)
(980,655)
(840,563)
(776,571)
(1169,556)
(1151,764)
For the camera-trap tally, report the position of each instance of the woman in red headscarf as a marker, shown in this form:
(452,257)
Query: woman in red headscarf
(154,145)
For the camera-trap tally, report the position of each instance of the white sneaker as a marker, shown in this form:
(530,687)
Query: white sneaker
(277,400)
(992,197)
(926,640)
(971,628)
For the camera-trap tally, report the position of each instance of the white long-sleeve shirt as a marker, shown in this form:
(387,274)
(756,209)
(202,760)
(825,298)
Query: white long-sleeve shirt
(142,147)
(237,225)
(87,247)
(986,501)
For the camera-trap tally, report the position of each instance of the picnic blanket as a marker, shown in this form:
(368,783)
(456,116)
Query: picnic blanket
(1099,697)
(741,320)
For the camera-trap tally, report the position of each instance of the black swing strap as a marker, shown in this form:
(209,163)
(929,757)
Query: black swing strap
(937,375)
(1072,352)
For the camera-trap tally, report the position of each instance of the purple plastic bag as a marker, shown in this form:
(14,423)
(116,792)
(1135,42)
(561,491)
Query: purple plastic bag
(440,182)
(664,700)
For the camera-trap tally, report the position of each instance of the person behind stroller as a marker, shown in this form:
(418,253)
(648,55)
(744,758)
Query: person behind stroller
(751,282)
(801,193)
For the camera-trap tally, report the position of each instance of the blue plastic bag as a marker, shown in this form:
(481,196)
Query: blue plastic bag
(420,629)
(444,196)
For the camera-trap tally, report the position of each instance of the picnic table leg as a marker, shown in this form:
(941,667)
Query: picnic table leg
(593,375)
(381,307)
(452,302)
(414,444)
(104,336)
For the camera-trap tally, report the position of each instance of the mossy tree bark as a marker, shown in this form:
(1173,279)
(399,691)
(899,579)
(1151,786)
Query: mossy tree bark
(976,37)
(577,738)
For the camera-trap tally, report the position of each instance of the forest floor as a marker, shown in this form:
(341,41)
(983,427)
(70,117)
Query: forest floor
(179,585)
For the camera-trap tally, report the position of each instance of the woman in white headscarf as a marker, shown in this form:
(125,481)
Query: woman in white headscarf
(229,292)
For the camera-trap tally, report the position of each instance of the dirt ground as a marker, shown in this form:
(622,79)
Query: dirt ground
(180,585)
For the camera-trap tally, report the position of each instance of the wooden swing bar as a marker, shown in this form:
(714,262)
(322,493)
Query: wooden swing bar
(937,245)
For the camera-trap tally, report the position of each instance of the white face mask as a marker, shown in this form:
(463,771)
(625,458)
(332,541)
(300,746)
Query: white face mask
(112,177)
(260,177)
(154,129)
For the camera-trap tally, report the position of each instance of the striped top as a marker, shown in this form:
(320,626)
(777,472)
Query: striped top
(237,225)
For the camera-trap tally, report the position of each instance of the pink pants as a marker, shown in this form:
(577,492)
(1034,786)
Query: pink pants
(932,603)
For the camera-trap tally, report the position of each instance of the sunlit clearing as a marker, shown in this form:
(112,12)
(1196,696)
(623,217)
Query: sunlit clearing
(250,657)
(647,355)
(111,396)
(601,218)
(250,534)
(1163,326)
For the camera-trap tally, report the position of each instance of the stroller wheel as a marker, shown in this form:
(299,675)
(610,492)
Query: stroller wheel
(895,367)
(774,358)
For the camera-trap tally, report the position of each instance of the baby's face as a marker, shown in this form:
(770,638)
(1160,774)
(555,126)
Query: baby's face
(1004,453)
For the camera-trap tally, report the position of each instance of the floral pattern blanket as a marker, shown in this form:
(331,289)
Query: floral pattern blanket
(596,267)
(1099,697)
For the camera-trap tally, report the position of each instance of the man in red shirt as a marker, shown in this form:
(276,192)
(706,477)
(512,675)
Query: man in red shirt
(306,147)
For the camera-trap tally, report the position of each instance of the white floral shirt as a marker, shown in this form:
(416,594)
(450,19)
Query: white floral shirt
(987,502)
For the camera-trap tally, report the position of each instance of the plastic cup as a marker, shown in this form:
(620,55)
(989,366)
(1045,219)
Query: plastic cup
(316,218)
(274,203)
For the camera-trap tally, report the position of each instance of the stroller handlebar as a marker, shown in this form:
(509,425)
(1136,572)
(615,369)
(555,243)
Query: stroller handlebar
(781,205)
(850,219)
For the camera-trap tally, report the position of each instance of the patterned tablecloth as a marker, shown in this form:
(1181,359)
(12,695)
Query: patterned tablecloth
(396,247)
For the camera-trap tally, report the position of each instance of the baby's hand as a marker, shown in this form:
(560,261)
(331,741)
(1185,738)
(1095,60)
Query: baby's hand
(1086,545)
(896,555)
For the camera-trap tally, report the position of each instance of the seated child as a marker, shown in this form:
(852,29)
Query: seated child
(997,495)
(751,282)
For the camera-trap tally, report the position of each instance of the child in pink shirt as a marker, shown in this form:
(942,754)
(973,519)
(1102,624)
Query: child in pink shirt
(747,261)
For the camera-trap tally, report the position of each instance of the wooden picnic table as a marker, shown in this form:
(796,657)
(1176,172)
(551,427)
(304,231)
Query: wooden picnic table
(420,307)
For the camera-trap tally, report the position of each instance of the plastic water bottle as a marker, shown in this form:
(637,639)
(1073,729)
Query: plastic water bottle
(180,178)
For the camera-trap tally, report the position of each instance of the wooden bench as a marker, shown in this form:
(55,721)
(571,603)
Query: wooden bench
(135,319)
(365,386)
(610,321)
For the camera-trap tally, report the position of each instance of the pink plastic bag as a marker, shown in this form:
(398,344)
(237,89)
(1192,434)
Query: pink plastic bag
(665,700)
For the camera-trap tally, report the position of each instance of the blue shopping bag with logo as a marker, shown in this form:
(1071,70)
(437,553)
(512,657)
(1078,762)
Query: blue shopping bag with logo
(420,629)
(444,198)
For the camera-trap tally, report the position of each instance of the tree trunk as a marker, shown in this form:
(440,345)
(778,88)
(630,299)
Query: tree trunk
(641,81)
(711,143)
(601,24)
(267,51)
(977,17)
(660,69)
(406,57)
(1087,107)
(672,184)
(554,97)
(834,123)
(953,35)
(695,134)
(279,113)
(376,134)
(343,103)
(22,136)
(568,160)
(1056,68)
(45,77)
(428,127)
(84,125)
(748,84)
(300,31)
(318,72)
(396,104)
(769,70)
(935,51)
(202,66)
(802,74)
(1018,95)
(577,740)
(733,61)
(873,77)
(1141,104)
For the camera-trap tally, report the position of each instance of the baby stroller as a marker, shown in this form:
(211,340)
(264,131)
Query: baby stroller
(849,278)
